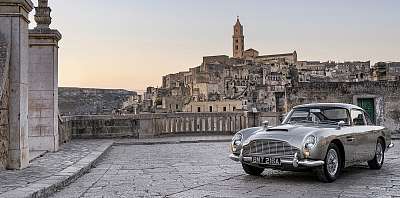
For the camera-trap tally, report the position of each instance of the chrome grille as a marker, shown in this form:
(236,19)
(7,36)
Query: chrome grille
(269,147)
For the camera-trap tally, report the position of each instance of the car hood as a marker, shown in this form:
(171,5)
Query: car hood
(293,134)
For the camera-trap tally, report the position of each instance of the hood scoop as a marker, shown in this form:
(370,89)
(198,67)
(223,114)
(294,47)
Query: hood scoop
(282,128)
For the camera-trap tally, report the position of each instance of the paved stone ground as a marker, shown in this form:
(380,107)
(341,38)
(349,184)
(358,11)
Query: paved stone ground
(44,167)
(203,170)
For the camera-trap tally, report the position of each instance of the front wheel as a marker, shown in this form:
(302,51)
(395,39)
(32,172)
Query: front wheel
(252,170)
(331,169)
(377,162)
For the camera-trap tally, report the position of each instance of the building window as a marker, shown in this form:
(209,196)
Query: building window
(237,47)
(177,106)
(211,109)
(224,108)
(198,109)
(234,108)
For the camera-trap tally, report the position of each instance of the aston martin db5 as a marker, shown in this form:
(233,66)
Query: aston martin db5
(322,137)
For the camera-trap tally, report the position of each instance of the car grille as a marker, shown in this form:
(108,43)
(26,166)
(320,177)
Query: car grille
(268,147)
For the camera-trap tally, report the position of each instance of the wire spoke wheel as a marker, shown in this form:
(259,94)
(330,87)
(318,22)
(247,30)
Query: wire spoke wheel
(379,153)
(379,157)
(332,162)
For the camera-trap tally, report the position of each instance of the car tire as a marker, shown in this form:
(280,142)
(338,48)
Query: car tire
(379,157)
(252,170)
(332,167)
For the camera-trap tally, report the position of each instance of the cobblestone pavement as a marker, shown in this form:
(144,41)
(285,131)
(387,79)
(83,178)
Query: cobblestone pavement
(50,164)
(203,170)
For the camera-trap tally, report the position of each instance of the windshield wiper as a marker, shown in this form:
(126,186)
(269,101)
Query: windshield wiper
(328,122)
(307,121)
(300,121)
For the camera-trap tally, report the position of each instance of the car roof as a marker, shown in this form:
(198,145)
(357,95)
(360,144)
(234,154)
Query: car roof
(341,105)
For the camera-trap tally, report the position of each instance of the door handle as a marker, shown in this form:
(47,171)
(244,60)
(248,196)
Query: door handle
(350,138)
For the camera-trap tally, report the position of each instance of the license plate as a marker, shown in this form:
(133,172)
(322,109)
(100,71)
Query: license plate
(266,160)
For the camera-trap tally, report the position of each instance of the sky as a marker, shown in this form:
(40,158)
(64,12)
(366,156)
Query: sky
(131,44)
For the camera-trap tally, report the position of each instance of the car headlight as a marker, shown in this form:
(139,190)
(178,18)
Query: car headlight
(236,141)
(310,142)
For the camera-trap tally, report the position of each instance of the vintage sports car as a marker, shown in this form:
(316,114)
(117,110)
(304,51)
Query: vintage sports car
(323,137)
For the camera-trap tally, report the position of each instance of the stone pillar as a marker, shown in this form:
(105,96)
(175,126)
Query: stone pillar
(4,93)
(43,82)
(14,25)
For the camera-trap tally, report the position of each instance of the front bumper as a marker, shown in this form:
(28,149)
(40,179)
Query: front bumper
(295,162)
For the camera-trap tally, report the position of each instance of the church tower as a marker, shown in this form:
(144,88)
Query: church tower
(238,40)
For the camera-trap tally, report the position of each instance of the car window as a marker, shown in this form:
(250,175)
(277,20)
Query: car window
(357,117)
(324,115)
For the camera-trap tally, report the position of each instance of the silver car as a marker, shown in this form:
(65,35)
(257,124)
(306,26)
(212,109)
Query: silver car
(323,137)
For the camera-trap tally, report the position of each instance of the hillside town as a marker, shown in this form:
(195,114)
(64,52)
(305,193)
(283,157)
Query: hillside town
(173,140)
(249,81)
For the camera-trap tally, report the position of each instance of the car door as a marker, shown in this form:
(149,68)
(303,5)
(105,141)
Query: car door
(373,133)
(360,136)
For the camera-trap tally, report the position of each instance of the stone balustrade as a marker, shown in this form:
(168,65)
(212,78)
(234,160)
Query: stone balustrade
(159,124)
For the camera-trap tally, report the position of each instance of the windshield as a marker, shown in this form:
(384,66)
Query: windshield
(323,115)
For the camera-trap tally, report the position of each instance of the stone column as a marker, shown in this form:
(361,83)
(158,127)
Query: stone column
(43,82)
(14,25)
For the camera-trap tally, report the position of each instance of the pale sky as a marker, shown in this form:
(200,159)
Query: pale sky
(130,44)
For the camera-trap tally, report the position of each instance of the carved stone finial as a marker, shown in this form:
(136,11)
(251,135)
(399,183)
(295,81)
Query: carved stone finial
(42,16)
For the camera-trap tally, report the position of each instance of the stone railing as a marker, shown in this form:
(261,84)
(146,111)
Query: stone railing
(159,124)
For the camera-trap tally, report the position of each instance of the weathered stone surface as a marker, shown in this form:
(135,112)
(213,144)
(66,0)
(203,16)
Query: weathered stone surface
(204,170)
(14,18)
(4,91)
(53,170)
(43,83)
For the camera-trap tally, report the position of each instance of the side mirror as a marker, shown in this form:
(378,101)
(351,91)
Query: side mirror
(340,124)
(265,124)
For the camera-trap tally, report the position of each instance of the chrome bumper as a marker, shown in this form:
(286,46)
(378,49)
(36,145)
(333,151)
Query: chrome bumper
(391,145)
(295,162)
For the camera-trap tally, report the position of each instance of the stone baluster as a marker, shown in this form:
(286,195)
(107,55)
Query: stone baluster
(211,123)
(173,125)
(178,124)
(207,125)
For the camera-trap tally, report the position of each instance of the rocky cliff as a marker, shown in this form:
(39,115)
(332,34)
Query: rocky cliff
(85,101)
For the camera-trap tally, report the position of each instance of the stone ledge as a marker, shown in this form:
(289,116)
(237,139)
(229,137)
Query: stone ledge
(49,185)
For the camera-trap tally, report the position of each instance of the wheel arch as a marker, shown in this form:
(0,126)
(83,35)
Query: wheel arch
(384,142)
(342,153)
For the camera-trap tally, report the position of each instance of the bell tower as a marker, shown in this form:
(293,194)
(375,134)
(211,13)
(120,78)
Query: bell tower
(238,40)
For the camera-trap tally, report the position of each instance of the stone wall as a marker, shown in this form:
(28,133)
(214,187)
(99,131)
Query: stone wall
(4,93)
(160,124)
(386,97)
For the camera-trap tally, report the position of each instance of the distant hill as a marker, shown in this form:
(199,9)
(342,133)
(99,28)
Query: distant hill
(84,101)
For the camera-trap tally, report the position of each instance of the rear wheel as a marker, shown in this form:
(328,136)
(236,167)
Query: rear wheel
(377,162)
(252,170)
(331,169)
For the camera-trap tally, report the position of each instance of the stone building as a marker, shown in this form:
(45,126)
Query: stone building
(251,82)
(350,71)
(386,71)
(238,40)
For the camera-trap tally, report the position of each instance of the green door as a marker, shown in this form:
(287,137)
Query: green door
(368,105)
